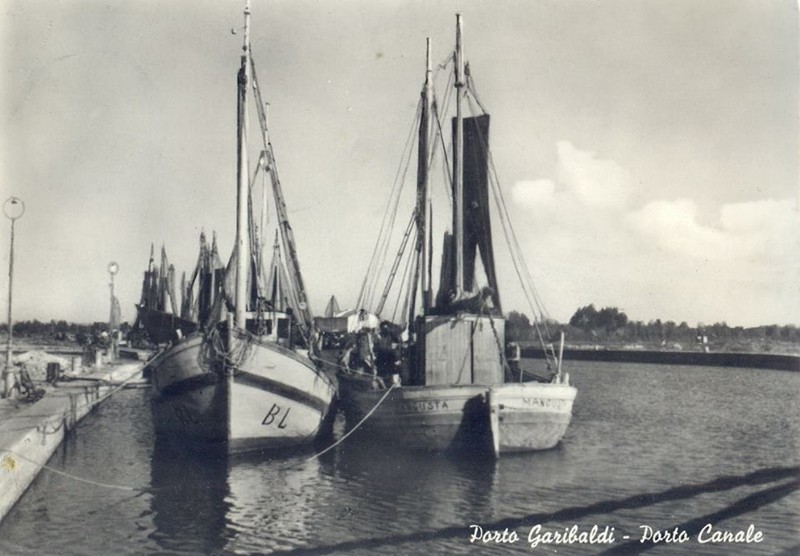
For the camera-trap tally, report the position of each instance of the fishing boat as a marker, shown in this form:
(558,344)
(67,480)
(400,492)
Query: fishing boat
(160,315)
(245,378)
(444,382)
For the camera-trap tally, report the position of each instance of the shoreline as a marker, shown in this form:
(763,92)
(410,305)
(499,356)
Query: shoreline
(763,360)
(774,360)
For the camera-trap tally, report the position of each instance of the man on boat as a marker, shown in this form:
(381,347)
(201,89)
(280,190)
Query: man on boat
(387,357)
(358,353)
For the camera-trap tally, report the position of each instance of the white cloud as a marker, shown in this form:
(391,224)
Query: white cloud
(534,193)
(673,226)
(601,183)
(768,229)
(663,259)
(765,231)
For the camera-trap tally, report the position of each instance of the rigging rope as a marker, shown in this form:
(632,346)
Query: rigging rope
(305,316)
(444,63)
(405,282)
(446,170)
(529,290)
(397,260)
(369,283)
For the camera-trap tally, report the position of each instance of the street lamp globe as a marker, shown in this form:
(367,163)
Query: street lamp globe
(13,208)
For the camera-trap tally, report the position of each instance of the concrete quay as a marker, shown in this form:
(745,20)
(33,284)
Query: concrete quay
(31,432)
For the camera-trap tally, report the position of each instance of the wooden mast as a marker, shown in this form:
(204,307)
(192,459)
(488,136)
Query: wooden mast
(422,268)
(424,134)
(243,191)
(458,170)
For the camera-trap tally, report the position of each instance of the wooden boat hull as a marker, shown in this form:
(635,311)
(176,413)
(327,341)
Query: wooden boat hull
(187,398)
(276,397)
(529,416)
(496,419)
(424,418)
(271,398)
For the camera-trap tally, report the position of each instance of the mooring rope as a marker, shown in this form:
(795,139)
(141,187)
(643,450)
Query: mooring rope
(351,431)
(361,422)
(73,477)
(117,388)
(62,420)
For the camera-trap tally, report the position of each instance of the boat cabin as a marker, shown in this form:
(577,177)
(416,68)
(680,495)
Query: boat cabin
(273,326)
(458,349)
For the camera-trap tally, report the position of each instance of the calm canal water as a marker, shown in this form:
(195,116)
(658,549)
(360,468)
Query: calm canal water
(649,445)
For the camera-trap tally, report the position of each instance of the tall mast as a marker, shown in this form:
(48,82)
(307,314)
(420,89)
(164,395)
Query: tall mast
(242,220)
(458,170)
(422,184)
(262,233)
(303,311)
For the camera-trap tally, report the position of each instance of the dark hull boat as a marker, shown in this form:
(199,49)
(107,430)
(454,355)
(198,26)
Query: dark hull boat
(447,383)
(157,314)
(162,327)
(476,412)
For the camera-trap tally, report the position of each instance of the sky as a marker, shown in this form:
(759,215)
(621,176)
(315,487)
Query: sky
(647,150)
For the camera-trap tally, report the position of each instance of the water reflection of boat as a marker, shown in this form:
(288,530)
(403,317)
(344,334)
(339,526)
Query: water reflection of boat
(449,385)
(213,503)
(282,515)
(245,379)
(189,501)
(391,482)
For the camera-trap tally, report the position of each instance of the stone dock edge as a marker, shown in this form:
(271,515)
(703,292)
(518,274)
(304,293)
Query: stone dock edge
(30,433)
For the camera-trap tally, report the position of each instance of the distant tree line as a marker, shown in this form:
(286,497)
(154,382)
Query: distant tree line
(608,325)
(59,330)
(611,325)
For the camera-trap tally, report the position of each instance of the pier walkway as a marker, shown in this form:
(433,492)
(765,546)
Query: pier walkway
(31,432)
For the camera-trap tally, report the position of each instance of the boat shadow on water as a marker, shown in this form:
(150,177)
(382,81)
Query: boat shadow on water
(766,486)
(190,497)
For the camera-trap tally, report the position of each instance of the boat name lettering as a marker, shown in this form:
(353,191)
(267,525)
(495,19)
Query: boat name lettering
(273,414)
(542,402)
(425,406)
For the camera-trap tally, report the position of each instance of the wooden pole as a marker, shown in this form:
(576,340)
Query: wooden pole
(458,170)
(243,191)
(424,134)
(13,208)
(9,376)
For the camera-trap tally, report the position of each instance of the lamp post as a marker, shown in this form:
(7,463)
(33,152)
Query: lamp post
(113,319)
(113,268)
(13,208)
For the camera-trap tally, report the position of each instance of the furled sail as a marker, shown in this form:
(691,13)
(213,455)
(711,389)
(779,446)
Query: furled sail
(477,227)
